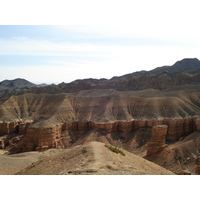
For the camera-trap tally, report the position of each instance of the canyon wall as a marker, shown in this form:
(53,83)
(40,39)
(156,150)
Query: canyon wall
(14,127)
(43,139)
(40,138)
(177,128)
(197,121)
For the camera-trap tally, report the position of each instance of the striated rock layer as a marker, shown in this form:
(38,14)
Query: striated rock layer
(13,127)
(157,141)
(45,120)
(180,157)
(51,136)
(41,136)
(42,139)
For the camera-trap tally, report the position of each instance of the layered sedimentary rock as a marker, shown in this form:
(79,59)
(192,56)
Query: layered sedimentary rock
(14,127)
(179,127)
(176,127)
(197,170)
(181,155)
(43,138)
(4,128)
(157,141)
(12,132)
(39,137)
(23,126)
(197,124)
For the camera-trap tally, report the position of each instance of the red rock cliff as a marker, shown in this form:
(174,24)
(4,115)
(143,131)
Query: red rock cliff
(157,141)
(42,139)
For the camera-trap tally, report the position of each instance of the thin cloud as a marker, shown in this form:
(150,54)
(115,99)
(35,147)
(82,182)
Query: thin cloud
(67,60)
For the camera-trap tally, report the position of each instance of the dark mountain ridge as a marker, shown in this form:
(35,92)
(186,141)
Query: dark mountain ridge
(184,72)
(187,64)
(16,84)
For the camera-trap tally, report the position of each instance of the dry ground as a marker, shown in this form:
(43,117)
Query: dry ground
(93,158)
(12,164)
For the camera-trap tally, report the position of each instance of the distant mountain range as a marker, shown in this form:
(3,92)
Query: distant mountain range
(184,72)
(16,84)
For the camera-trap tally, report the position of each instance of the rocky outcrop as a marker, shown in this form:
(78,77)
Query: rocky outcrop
(197,124)
(23,126)
(181,155)
(197,170)
(4,128)
(157,141)
(12,133)
(3,142)
(40,137)
(172,130)
(8,127)
(43,138)
(177,128)
(14,127)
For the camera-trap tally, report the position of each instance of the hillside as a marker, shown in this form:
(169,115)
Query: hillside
(121,111)
(93,158)
(16,84)
(101,106)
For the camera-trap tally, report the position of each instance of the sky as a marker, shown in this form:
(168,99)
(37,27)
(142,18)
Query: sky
(98,42)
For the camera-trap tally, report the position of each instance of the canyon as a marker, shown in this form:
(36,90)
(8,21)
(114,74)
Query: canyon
(160,124)
(45,121)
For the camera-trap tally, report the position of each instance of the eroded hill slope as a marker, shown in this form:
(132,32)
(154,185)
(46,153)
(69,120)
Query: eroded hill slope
(101,106)
(94,158)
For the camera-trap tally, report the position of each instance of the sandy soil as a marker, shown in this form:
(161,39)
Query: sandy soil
(11,164)
(93,158)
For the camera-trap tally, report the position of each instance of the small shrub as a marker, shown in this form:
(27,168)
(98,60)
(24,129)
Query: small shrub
(115,149)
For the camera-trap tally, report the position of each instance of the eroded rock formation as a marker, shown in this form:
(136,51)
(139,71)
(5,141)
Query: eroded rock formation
(197,124)
(176,127)
(11,133)
(38,136)
(41,139)
(197,170)
(14,127)
(157,141)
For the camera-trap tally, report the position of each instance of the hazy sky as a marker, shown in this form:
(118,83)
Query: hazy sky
(148,34)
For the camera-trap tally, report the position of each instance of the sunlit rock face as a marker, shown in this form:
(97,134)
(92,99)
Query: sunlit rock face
(43,139)
(157,141)
(115,113)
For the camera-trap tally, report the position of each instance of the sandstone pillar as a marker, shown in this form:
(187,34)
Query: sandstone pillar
(198,124)
(157,141)
(2,144)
